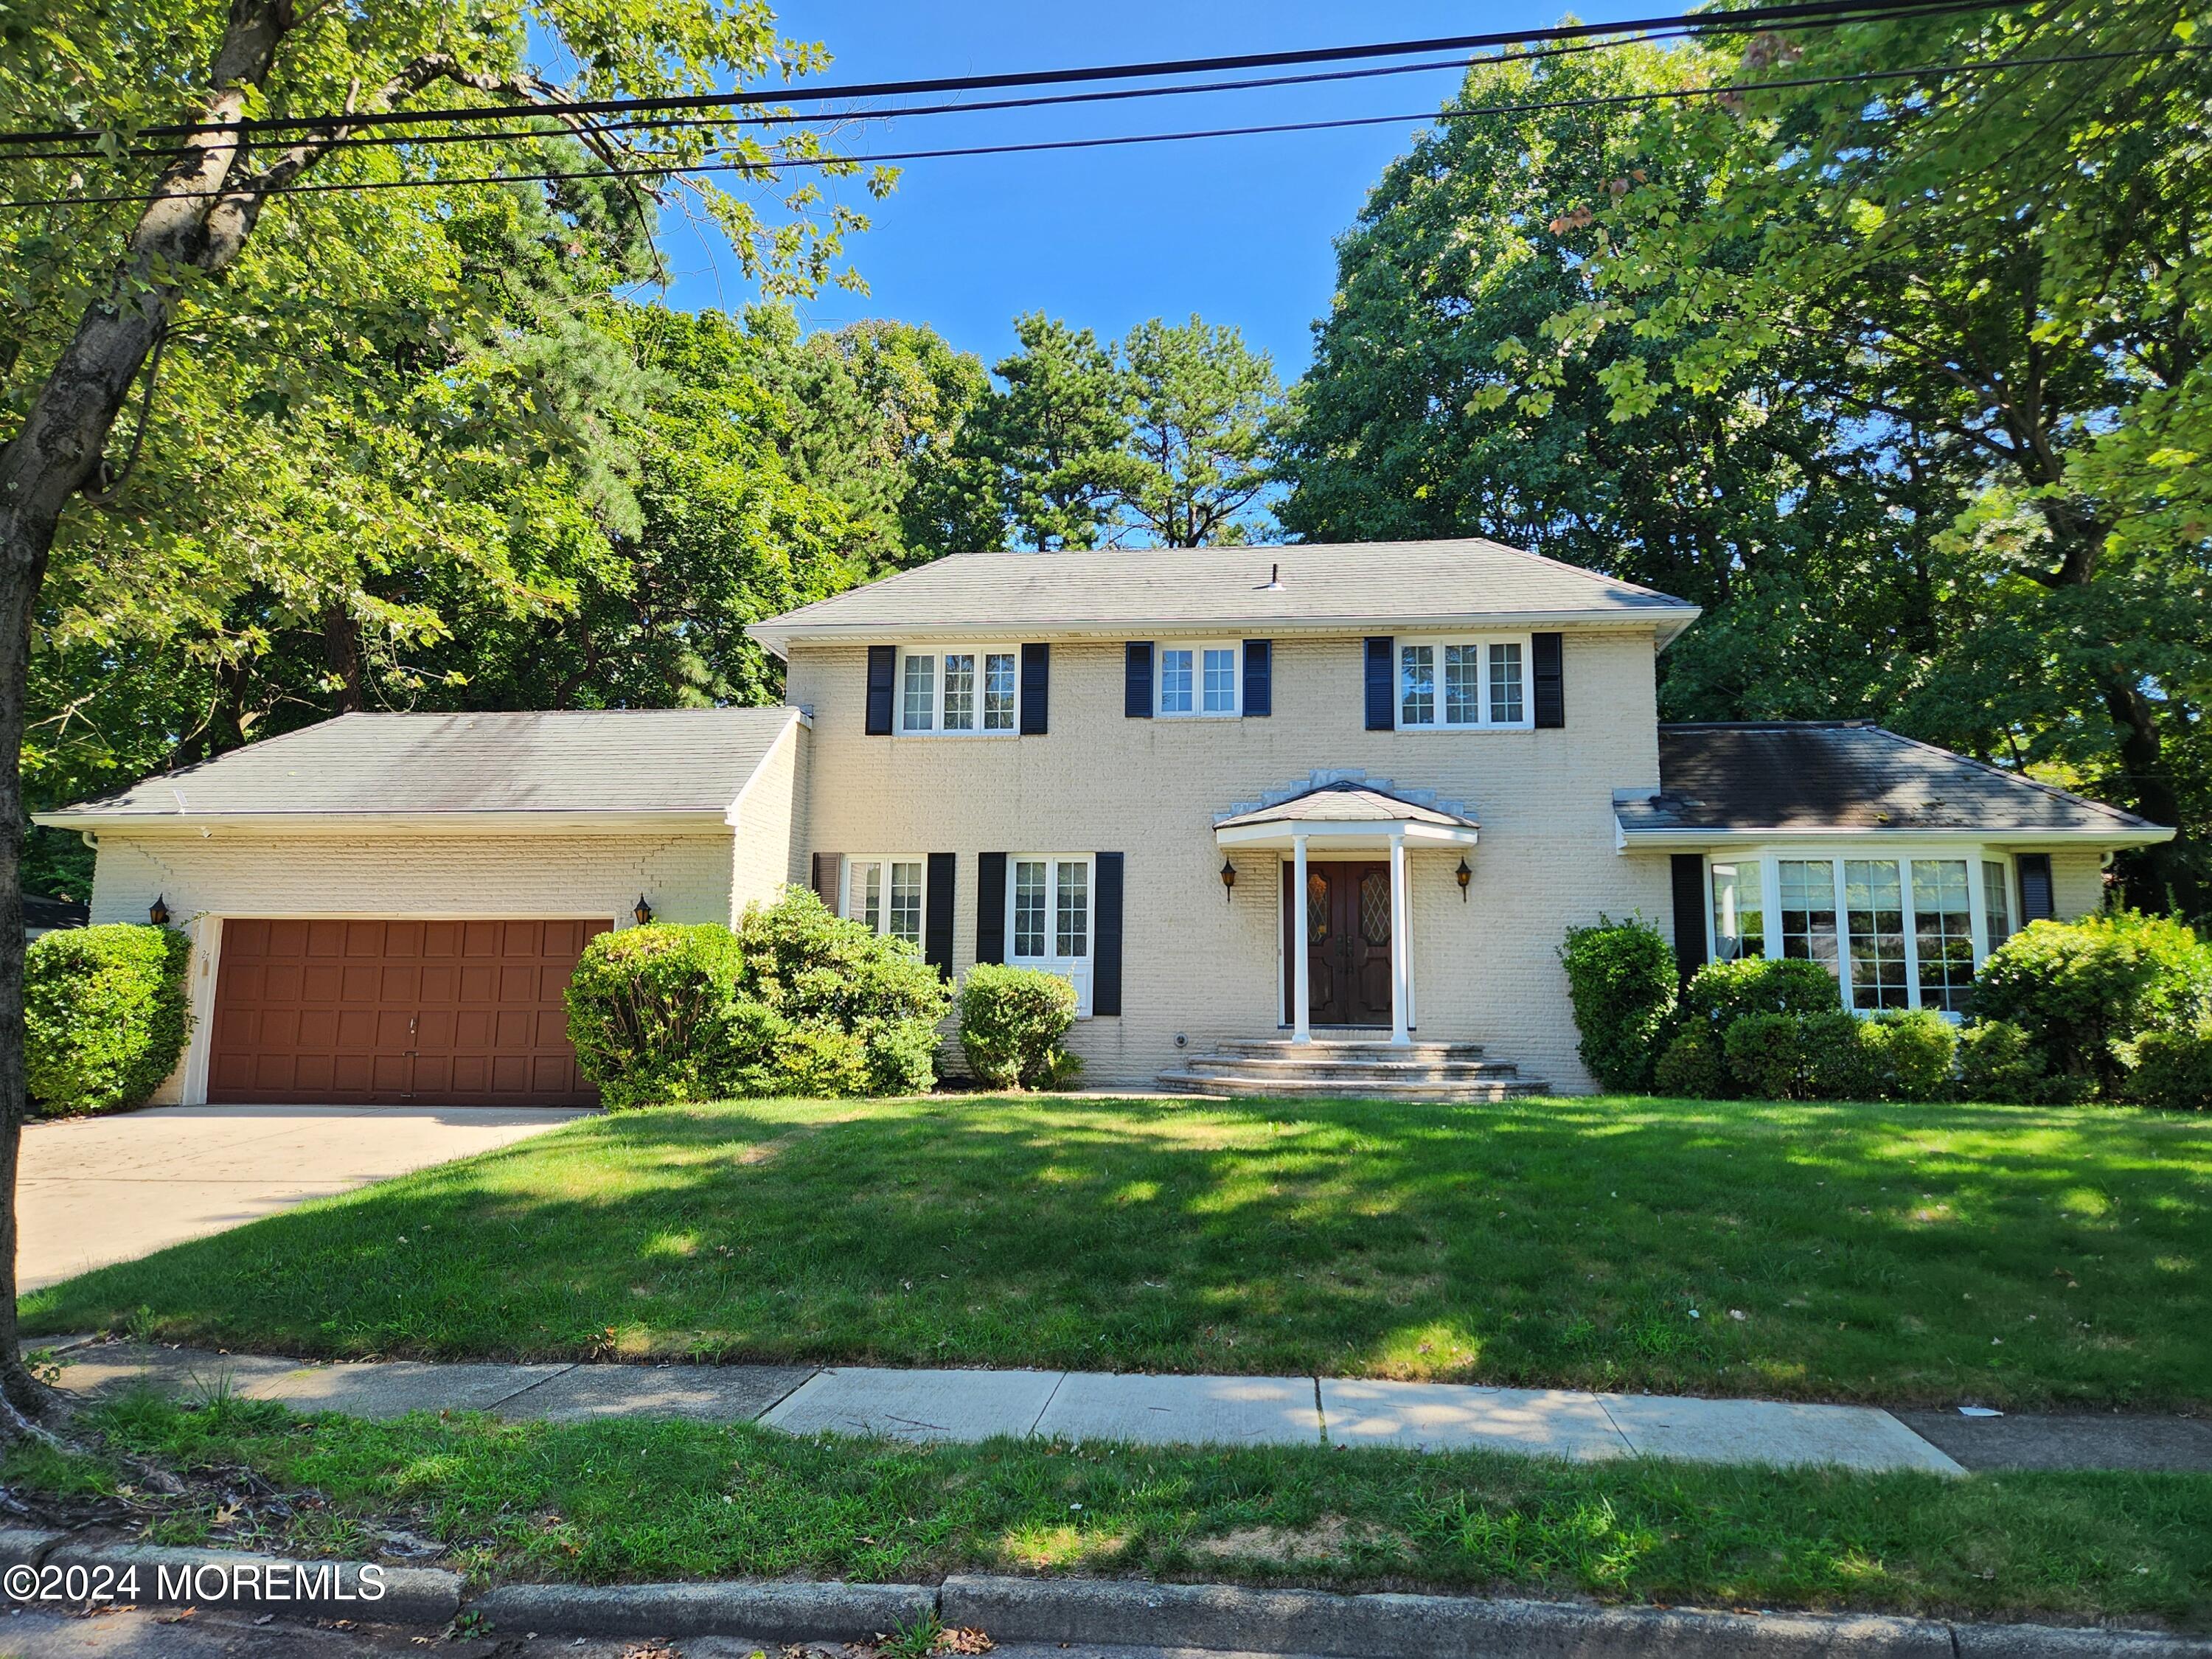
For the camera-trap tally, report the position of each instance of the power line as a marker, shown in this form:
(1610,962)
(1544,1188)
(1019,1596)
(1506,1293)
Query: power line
(1749,20)
(1914,9)
(767,167)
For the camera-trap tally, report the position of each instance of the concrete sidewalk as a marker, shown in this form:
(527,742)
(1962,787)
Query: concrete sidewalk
(977,1405)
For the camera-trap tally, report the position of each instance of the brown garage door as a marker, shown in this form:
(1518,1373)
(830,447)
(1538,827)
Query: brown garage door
(396,1013)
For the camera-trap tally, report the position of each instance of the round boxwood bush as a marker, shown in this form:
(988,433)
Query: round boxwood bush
(1722,993)
(653,1013)
(2173,1069)
(1913,1052)
(2083,990)
(1011,1021)
(105,1016)
(1621,978)
(1689,1067)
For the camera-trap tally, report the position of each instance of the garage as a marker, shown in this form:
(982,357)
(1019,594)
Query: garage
(395,1012)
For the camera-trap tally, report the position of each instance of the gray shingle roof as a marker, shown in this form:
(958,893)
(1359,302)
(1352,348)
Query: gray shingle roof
(1345,802)
(1853,774)
(624,761)
(1349,586)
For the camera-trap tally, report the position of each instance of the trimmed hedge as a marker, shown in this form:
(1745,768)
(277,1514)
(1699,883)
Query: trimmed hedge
(1622,978)
(1690,1067)
(1722,993)
(105,1016)
(1011,1021)
(2173,1069)
(793,1001)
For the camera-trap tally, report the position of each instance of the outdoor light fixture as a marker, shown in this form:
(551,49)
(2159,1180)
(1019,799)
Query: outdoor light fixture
(1227,880)
(1463,876)
(158,912)
(644,911)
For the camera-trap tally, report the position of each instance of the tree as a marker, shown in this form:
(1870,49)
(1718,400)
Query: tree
(1050,445)
(191,271)
(2005,271)
(1199,435)
(1774,506)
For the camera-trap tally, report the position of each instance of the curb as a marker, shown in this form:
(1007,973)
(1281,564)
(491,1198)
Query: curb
(1222,1619)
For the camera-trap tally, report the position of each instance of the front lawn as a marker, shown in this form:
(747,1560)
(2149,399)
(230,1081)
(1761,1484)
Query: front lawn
(1931,1253)
(648,1501)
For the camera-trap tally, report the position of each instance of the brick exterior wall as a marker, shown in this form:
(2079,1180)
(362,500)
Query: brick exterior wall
(1485,969)
(768,848)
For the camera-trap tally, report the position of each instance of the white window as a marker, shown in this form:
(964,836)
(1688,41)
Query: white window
(1200,679)
(964,691)
(1048,899)
(1460,684)
(1907,931)
(885,893)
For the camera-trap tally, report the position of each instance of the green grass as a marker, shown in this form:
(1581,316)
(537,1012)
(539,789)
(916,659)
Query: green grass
(1933,1254)
(649,1501)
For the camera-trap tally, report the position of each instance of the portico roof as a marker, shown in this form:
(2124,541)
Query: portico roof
(1346,808)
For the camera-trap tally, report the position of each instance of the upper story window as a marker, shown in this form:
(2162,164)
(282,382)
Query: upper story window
(1200,679)
(1460,684)
(964,691)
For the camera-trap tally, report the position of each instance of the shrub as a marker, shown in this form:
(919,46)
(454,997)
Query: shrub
(1722,993)
(1765,1055)
(1913,1053)
(1012,1020)
(1996,1062)
(811,974)
(105,1016)
(2083,990)
(2173,1069)
(653,1013)
(1843,1057)
(1689,1067)
(1621,977)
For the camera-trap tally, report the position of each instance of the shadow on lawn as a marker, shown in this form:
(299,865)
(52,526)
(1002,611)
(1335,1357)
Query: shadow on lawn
(1929,1253)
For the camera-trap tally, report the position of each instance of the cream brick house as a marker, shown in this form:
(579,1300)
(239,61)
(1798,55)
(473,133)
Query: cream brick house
(1117,766)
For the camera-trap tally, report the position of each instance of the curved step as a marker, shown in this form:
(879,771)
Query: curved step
(1443,1093)
(1259,1065)
(1350,1048)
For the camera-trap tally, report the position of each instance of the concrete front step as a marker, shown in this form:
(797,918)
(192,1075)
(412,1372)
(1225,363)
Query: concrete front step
(1334,1047)
(1263,1066)
(1443,1092)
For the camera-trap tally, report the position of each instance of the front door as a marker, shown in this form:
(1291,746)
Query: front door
(1348,942)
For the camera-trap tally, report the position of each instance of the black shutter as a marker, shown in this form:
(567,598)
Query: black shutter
(1137,680)
(1106,937)
(1036,685)
(826,871)
(880,666)
(1259,677)
(2037,900)
(1547,672)
(937,915)
(1689,873)
(1381,717)
(991,907)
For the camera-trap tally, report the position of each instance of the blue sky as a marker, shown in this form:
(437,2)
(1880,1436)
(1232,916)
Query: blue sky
(1236,230)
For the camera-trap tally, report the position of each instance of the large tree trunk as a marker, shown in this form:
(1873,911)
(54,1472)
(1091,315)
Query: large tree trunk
(185,227)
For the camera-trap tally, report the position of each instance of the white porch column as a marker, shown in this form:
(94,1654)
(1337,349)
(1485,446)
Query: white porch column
(1301,955)
(1401,961)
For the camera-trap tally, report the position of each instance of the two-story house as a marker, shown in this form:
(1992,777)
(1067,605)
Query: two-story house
(1238,796)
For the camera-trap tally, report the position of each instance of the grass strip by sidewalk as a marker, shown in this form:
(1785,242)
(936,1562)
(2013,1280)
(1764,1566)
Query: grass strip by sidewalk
(1934,1254)
(652,1500)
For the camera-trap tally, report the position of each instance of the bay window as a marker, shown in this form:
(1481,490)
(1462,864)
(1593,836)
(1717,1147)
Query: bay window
(1049,917)
(1904,931)
(966,690)
(885,895)
(1455,684)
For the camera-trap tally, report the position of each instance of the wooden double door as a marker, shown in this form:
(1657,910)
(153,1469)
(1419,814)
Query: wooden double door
(1346,912)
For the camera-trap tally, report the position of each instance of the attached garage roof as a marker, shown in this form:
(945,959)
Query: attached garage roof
(1350,587)
(1812,777)
(465,767)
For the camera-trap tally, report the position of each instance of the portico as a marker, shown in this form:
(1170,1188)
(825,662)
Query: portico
(1346,912)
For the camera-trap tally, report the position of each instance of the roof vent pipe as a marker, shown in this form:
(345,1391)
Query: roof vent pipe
(1274,579)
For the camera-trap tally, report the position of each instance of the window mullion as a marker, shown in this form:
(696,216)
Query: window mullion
(1977,906)
(1911,932)
(1843,933)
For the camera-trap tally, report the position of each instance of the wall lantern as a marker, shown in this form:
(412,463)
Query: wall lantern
(643,912)
(1227,880)
(158,912)
(1463,876)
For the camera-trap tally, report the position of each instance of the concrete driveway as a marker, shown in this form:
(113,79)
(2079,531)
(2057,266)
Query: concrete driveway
(97,1190)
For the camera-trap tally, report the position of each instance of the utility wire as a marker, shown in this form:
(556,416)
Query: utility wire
(655,123)
(1748,21)
(768,168)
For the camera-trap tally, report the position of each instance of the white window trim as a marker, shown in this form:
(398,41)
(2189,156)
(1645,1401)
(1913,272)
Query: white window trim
(937,654)
(1198,648)
(856,861)
(1437,642)
(1770,858)
(1076,970)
